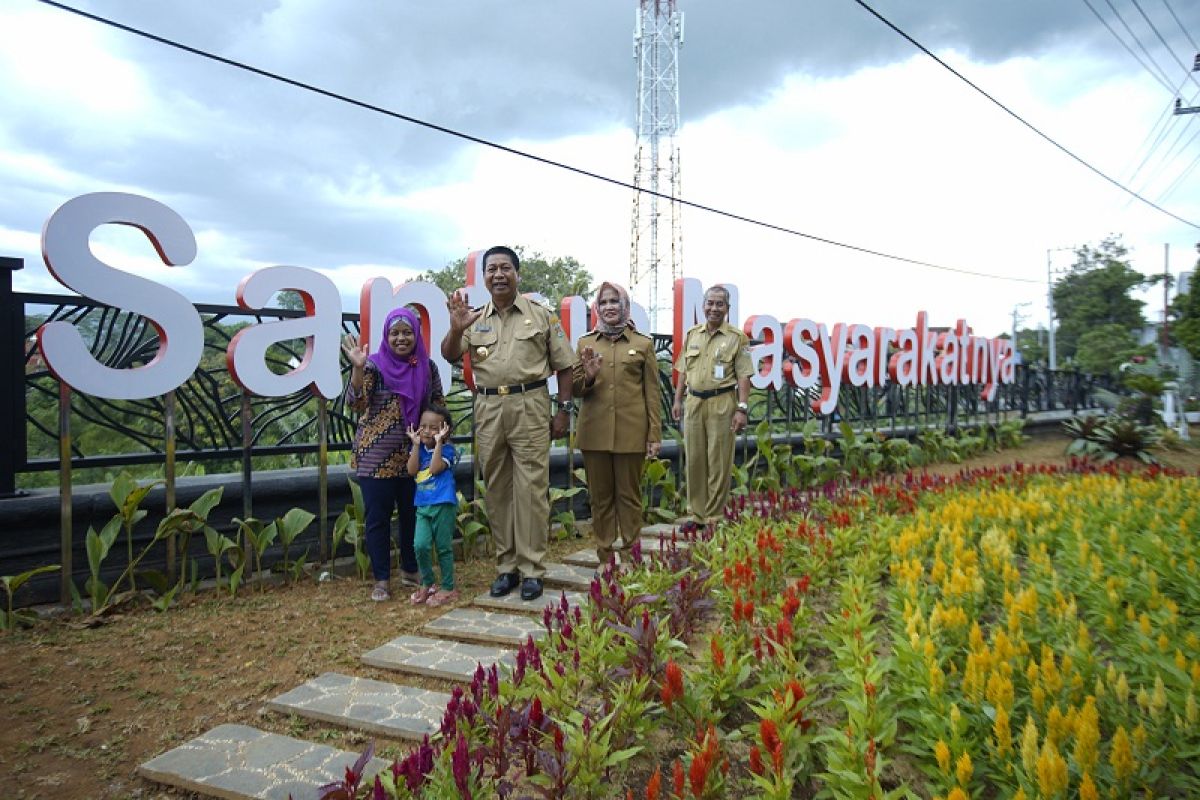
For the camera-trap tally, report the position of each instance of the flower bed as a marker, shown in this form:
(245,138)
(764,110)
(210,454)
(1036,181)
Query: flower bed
(1018,633)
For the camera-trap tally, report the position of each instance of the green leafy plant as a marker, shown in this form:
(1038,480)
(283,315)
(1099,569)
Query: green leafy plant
(9,618)
(1128,438)
(127,495)
(289,526)
(473,518)
(661,499)
(816,465)
(350,526)
(565,517)
(221,547)
(1010,433)
(861,456)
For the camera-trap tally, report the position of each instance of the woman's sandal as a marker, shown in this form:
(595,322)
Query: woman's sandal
(441,598)
(421,595)
(380,592)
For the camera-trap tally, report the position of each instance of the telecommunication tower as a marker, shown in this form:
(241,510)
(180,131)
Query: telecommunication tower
(656,247)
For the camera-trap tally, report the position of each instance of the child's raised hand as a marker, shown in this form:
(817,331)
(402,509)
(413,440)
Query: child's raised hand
(413,434)
(442,434)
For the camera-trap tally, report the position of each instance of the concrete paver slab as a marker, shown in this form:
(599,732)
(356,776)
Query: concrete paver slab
(385,709)
(513,602)
(236,762)
(437,658)
(489,627)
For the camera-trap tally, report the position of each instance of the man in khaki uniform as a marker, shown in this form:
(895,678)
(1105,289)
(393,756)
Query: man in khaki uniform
(514,344)
(715,378)
(620,418)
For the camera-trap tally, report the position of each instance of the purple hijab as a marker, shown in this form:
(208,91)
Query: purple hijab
(407,377)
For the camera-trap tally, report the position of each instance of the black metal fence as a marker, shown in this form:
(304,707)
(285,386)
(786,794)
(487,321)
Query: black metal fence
(216,421)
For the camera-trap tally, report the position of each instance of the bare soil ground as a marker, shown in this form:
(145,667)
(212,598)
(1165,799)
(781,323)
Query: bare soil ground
(82,706)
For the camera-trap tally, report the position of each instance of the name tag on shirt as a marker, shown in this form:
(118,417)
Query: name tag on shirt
(718,372)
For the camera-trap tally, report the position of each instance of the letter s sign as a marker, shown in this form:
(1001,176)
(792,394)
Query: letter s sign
(69,258)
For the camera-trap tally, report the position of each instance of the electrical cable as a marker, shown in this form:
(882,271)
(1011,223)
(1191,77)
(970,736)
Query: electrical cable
(1180,24)
(513,151)
(1186,69)
(1136,40)
(1162,80)
(1018,117)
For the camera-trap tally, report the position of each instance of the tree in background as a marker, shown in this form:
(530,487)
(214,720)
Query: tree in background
(1186,312)
(1104,348)
(1096,292)
(556,278)
(1032,345)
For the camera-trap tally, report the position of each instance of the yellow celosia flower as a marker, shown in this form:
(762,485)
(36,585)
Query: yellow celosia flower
(1055,728)
(957,794)
(1087,789)
(1051,770)
(1038,696)
(1121,691)
(963,769)
(1121,757)
(1001,731)
(1191,713)
(941,751)
(1029,745)
(1087,736)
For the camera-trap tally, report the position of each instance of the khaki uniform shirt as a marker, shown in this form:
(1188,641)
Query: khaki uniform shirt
(622,411)
(521,344)
(715,360)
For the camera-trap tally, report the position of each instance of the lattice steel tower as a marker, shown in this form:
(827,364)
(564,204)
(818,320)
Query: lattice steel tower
(656,247)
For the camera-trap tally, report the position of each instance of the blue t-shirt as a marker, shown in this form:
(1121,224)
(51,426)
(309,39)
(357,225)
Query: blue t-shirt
(440,488)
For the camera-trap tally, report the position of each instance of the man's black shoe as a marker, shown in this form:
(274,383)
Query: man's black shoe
(504,583)
(531,589)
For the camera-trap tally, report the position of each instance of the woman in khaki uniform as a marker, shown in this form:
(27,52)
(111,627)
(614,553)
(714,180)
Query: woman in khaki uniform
(620,418)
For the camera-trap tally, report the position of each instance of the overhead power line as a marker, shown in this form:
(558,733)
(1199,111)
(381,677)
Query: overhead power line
(1186,69)
(308,87)
(1175,17)
(1158,76)
(1021,119)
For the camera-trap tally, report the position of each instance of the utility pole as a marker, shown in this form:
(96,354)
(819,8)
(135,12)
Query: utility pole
(1166,340)
(1017,318)
(1050,300)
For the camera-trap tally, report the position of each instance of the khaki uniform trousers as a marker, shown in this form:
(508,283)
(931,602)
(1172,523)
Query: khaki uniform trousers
(513,436)
(615,492)
(709,442)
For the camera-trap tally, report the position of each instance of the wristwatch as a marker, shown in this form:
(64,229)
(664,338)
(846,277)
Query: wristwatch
(744,408)
(566,405)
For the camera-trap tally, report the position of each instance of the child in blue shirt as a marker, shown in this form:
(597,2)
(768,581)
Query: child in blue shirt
(432,461)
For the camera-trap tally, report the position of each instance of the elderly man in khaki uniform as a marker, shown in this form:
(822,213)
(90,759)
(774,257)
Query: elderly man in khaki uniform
(714,376)
(620,418)
(514,344)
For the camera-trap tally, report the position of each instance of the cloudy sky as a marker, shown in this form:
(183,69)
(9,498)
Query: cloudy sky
(811,115)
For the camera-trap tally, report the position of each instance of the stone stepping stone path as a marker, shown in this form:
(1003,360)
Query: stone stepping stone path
(488,627)
(650,544)
(660,530)
(568,576)
(513,602)
(437,658)
(397,712)
(237,762)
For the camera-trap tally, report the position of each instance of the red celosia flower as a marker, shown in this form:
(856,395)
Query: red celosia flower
(672,688)
(677,777)
(535,713)
(654,787)
(790,606)
(718,655)
(756,762)
(558,739)
(770,735)
(802,584)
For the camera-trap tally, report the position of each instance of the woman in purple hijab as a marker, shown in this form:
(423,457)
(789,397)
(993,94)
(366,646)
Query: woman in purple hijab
(389,389)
